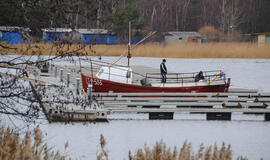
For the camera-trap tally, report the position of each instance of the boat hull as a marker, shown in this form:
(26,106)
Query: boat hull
(102,85)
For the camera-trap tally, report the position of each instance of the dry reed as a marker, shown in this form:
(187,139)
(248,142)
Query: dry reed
(161,152)
(185,50)
(103,152)
(14,147)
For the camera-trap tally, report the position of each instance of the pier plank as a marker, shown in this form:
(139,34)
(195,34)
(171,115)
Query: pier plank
(183,99)
(187,104)
(201,94)
(147,110)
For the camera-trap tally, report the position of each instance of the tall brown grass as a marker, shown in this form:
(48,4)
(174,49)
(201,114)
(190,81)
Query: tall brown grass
(161,152)
(206,50)
(103,152)
(31,147)
(185,50)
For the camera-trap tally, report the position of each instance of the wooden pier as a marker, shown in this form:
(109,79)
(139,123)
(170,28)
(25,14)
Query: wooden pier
(64,115)
(216,106)
(78,106)
(61,113)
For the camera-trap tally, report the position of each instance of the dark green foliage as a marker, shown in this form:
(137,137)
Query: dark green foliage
(120,20)
(246,16)
(11,12)
(33,14)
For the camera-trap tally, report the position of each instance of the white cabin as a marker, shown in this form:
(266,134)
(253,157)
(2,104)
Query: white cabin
(116,74)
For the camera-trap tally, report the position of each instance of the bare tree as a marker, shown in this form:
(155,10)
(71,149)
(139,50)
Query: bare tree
(17,97)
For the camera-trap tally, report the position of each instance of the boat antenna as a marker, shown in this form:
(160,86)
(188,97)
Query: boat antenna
(129,41)
(91,68)
(80,71)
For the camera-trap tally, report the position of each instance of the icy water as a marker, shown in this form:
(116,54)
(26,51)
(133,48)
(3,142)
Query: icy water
(248,135)
(248,138)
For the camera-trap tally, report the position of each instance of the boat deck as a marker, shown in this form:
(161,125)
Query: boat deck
(188,84)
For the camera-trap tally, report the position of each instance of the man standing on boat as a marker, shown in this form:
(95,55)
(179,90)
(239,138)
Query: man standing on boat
(163,71)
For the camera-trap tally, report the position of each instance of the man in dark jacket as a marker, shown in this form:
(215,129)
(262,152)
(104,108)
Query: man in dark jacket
(163,71)
(199,76)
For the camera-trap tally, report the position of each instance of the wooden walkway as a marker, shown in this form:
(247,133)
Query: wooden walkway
(216,106)
(226,100)
(193,110)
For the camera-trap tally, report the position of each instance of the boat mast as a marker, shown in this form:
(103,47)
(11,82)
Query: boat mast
(129,41)
(134,46)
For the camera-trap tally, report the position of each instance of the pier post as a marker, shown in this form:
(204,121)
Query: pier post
(55,71)
(61,75)
(218,115)
(151,106)
(160,115)
(267,116)
(89,92)
(68,79)
(77,86)
(50,67)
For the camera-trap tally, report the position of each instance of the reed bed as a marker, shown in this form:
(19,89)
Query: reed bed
(185,50)
(161,152)
(206,50)
(30,147)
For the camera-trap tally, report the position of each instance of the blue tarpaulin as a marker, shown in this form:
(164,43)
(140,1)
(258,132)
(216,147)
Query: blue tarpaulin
(111,39)
(99,38)
(12,37)
(53,36)
(136,39)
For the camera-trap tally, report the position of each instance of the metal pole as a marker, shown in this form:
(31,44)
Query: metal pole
(61,75)
(55,71)
(77,86)
(89,92)
(91,67)
(129,41)
(68,79)
(109,73)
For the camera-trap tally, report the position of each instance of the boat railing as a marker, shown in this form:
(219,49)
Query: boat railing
(214,75)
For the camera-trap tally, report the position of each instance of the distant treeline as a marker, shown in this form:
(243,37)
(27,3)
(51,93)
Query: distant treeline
(224,16)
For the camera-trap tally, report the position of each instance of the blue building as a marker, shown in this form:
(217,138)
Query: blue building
(55,34)
(97,36)
(13,34)
(86,36)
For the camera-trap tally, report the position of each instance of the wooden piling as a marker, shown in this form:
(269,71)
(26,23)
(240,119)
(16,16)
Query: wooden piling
(68,79)
(218,115)
(160,115)
(267,116)
(61,75)
(55,72)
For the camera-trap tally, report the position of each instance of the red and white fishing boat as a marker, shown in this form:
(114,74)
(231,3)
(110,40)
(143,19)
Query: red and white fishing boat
(119,79)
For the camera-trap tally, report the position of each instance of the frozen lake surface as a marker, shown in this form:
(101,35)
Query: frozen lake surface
(248,135)
(248,138)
